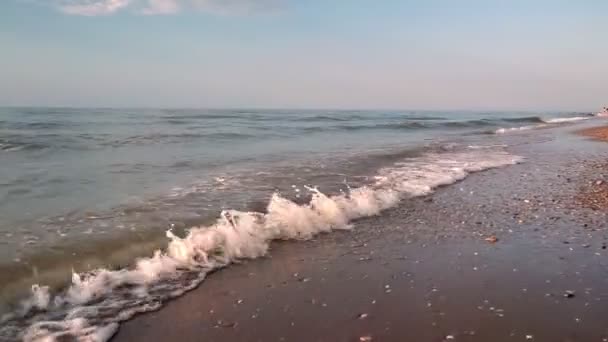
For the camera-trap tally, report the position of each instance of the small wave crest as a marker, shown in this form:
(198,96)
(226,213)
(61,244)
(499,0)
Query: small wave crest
(562,120)
(12,146)
(547,122)
(426,123)
(531,119)
(518,129)
(165,138)
(96,302)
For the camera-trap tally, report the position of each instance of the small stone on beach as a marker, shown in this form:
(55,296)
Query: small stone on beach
(491,239)
(222,324)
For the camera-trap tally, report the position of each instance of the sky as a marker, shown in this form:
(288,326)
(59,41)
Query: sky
(352,54)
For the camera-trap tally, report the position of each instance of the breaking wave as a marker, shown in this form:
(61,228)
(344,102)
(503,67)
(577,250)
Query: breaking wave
(91,308)
(562,120)
(518,129)
(545,123)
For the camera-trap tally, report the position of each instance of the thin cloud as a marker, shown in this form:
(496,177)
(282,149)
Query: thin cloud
(165,7)
(92,7)
(156,7)
(237,6)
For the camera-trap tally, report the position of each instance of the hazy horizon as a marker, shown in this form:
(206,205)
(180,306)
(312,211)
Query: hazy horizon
(281,54)
(310,109)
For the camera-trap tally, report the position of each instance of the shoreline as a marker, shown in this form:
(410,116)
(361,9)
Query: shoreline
(428,270)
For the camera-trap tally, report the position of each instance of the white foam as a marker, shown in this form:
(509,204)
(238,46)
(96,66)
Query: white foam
(518,129)
(478,147)
(602,114)
(93,305)
(562,120)
(10,147)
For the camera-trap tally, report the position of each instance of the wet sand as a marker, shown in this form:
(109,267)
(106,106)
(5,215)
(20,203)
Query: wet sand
(599,133)
(425,271)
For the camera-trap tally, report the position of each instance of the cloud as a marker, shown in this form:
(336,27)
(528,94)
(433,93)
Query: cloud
(155,7)
(236,6)
(92,7)
(160,7)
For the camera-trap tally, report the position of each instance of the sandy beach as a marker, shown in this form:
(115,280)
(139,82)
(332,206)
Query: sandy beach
(513,254)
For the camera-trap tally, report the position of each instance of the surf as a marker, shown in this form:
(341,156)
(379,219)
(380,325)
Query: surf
(94,303)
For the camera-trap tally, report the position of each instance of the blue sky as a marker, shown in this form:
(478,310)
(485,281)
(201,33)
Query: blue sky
(432,54)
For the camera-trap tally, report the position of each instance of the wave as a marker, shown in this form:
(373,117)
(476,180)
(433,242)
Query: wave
(435,123)
(178,122)
(469,123)
(13,146)
(44,111)
(562,120)
(343,117)
(416,124)
(537,119)
(396,126)
(426,118)
(8,147)
(36,126)
(201,116)
(46,125)
(331,118)
(547,122)
(518,129)
(206,115)
(163,138)
(92,307)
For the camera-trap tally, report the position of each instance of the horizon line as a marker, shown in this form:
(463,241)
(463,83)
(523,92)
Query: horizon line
(279,108)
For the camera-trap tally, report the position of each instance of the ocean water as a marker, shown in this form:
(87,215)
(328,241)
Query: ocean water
(105,213)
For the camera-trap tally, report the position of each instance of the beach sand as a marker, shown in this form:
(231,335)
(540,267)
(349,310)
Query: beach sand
(512,254)
(600,133)
(594,192)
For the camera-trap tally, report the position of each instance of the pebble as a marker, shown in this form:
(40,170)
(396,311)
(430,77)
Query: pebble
(222,324)
(491,239)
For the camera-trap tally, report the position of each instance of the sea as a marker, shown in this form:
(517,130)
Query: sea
(109,212)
